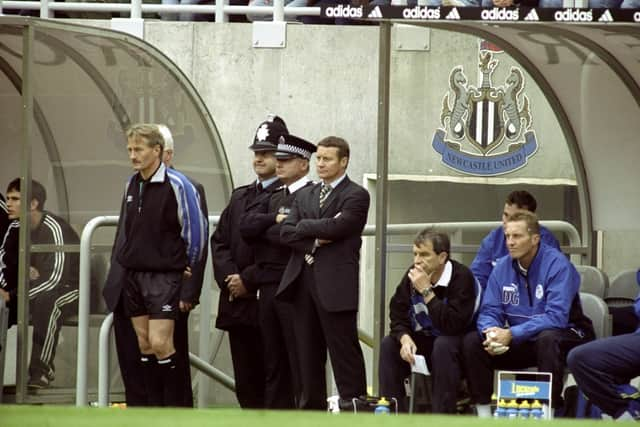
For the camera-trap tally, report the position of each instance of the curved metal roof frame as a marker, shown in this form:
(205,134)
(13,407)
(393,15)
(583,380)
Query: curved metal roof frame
(14,25)
(568,48)
(21,41)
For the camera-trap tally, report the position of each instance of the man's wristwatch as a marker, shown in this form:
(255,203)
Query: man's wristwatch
(426,292)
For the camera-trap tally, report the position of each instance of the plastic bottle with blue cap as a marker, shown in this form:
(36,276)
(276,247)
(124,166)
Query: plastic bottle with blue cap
(382,407)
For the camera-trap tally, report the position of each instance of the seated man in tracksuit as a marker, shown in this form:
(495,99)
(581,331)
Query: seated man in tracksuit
(494,246)
(53,284)
(603,369)
(430,311)
(530,314)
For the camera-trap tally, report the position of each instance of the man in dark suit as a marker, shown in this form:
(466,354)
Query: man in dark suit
(261,226)
(321,278)
(125,337)
(237,274)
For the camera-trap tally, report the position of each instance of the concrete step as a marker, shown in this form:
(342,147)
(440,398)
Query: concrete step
(56,395)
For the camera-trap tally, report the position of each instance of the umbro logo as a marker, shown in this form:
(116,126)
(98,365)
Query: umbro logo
(167,307)
(129,198)
(453,15)
(375,13)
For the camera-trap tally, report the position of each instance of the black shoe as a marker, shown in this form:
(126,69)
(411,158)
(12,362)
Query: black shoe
(40,382)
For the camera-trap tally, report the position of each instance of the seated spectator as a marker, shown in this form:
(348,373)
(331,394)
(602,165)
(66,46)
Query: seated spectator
(287,3)
(603,369)
(527,3)
(494,247)
(430,311)
(53,289)
(614,4)
(412,3)
(182,16)
(530,314)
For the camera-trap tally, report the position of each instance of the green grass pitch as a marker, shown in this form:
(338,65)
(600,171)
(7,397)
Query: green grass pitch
(69,416)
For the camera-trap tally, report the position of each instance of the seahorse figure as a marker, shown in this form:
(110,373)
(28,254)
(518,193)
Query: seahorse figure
(457,82)
(513,87)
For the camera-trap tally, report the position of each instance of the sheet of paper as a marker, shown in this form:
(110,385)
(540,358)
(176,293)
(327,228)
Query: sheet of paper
(420,365)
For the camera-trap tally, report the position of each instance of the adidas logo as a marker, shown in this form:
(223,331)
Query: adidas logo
(574,15)
(342,11)
(606,16)
(421,12)
(500,14)
(375,13)
(532,16)
(453,15)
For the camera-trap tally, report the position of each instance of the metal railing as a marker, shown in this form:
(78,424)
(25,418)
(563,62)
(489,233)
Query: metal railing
(575,248)
(136,8)
(220,10)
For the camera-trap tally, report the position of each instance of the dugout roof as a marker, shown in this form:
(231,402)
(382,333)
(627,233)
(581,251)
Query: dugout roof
(88,85)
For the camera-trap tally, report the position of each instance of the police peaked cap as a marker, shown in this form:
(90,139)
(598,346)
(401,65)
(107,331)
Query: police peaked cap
(268,133)
(290,146)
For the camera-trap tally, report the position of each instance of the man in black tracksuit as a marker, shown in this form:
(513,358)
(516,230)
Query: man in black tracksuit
(53,284)
(260,226)
(237,275)
(4,219)
(430,311)
(125,337)
(160,241)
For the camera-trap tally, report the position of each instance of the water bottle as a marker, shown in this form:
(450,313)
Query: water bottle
(524,409)
(382,407)
(512,409)
(501,409)
(536,410)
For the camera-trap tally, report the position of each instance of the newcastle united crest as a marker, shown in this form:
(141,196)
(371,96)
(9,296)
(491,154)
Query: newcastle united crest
(486,130)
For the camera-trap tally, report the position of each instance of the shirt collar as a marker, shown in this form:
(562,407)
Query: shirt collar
(336,182)
(267,182)
(298,184)
(445,277)
(159,174)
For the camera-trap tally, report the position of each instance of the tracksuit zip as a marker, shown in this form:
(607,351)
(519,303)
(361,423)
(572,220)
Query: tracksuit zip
(526,286)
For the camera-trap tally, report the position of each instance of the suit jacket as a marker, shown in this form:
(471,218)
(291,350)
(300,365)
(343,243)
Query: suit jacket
(337,264)
(231,254)
(191,288)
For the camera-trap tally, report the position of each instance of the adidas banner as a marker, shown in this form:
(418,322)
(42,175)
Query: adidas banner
(448,13)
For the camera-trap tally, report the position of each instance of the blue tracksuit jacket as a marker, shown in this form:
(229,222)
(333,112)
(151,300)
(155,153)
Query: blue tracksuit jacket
(546,298)
(494,247)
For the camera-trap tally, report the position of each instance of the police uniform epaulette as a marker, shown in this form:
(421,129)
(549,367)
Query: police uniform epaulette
(243,187)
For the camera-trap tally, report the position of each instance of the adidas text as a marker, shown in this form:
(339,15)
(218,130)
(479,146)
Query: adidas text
(342,11)
(574,15)
(498,14)
(421,12)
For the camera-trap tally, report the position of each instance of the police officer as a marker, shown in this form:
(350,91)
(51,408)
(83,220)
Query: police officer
(236,272)
(261,228)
